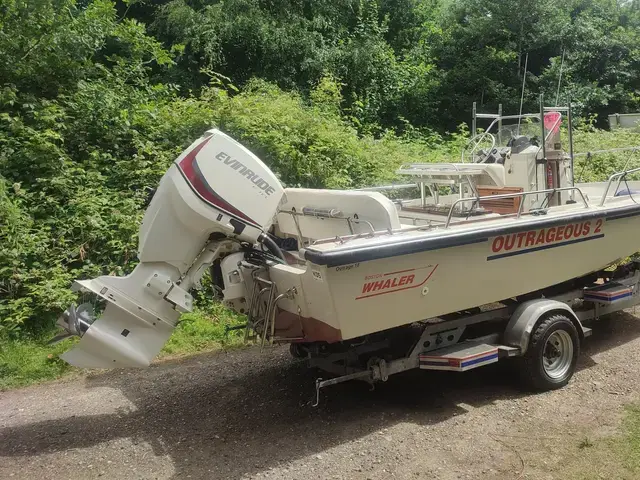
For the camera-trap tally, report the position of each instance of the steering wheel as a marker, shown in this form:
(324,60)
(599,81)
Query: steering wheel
(474,143)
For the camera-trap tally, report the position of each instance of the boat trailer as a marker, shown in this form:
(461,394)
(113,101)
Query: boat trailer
(543,333)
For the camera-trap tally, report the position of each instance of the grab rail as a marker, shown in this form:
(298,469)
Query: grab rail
(406,168)
(549,192)
(382,188)
(617,175)
(414,220)
(452,209)
(350,222)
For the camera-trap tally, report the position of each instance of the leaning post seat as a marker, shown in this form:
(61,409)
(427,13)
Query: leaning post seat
(316,214)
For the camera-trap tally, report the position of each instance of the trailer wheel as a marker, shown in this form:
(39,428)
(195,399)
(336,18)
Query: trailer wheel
(297,351)
(553,351)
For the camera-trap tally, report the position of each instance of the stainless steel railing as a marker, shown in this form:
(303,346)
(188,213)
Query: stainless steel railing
(619,176)
(447,223)
(349,220)
(616,176)
(548,192)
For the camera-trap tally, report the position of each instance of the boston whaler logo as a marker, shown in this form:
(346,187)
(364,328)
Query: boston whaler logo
(388,283)
(237,165)
(545,238)
(382,283)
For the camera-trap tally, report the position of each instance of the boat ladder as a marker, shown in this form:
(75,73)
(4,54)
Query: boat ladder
(261,316)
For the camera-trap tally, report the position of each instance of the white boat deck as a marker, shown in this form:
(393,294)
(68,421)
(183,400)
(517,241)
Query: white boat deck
(412,217)
(327,219)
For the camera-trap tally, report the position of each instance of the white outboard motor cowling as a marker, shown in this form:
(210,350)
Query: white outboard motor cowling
(215,194)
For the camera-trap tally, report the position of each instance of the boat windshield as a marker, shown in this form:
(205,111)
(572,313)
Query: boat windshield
(506,133)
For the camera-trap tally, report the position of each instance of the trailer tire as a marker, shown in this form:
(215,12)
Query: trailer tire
(297,350)
(552,355)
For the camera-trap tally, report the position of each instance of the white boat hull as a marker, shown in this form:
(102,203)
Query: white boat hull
(363,297)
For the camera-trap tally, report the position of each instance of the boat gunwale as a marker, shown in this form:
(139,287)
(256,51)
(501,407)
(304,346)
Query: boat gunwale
(435,239)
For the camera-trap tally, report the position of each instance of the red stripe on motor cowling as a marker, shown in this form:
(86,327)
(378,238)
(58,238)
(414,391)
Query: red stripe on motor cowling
(200,184)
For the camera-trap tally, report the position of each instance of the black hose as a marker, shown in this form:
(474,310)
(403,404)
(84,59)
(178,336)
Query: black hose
(268,242)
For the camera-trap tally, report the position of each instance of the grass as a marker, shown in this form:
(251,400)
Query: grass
(609,457)
(198,332)
(629,445)
(25,362)
(601,165)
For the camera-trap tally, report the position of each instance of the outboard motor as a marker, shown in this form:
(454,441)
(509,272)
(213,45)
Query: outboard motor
(216,195)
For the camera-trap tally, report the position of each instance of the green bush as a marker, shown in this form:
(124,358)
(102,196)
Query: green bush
(311,145)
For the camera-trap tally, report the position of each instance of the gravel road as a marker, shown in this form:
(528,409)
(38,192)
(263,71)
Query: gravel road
(243,414)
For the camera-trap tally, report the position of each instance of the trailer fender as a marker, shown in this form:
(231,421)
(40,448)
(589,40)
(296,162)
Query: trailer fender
(527,315)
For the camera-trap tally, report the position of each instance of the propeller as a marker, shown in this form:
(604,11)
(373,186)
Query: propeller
(75,321)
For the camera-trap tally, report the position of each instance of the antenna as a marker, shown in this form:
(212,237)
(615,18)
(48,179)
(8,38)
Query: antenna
(524,79)
(564,50)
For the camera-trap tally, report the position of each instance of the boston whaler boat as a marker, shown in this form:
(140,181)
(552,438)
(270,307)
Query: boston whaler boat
(499,255)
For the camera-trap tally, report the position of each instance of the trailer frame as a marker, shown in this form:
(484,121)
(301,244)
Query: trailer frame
(439,346)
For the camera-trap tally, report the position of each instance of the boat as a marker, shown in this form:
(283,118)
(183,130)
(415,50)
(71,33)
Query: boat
(353,274)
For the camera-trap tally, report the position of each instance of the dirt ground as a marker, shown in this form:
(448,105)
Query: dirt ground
(243,414)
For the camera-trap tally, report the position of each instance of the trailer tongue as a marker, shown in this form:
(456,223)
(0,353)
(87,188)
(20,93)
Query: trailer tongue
(364,287)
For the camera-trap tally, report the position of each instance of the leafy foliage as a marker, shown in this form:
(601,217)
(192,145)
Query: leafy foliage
(424,61)
(72,161)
